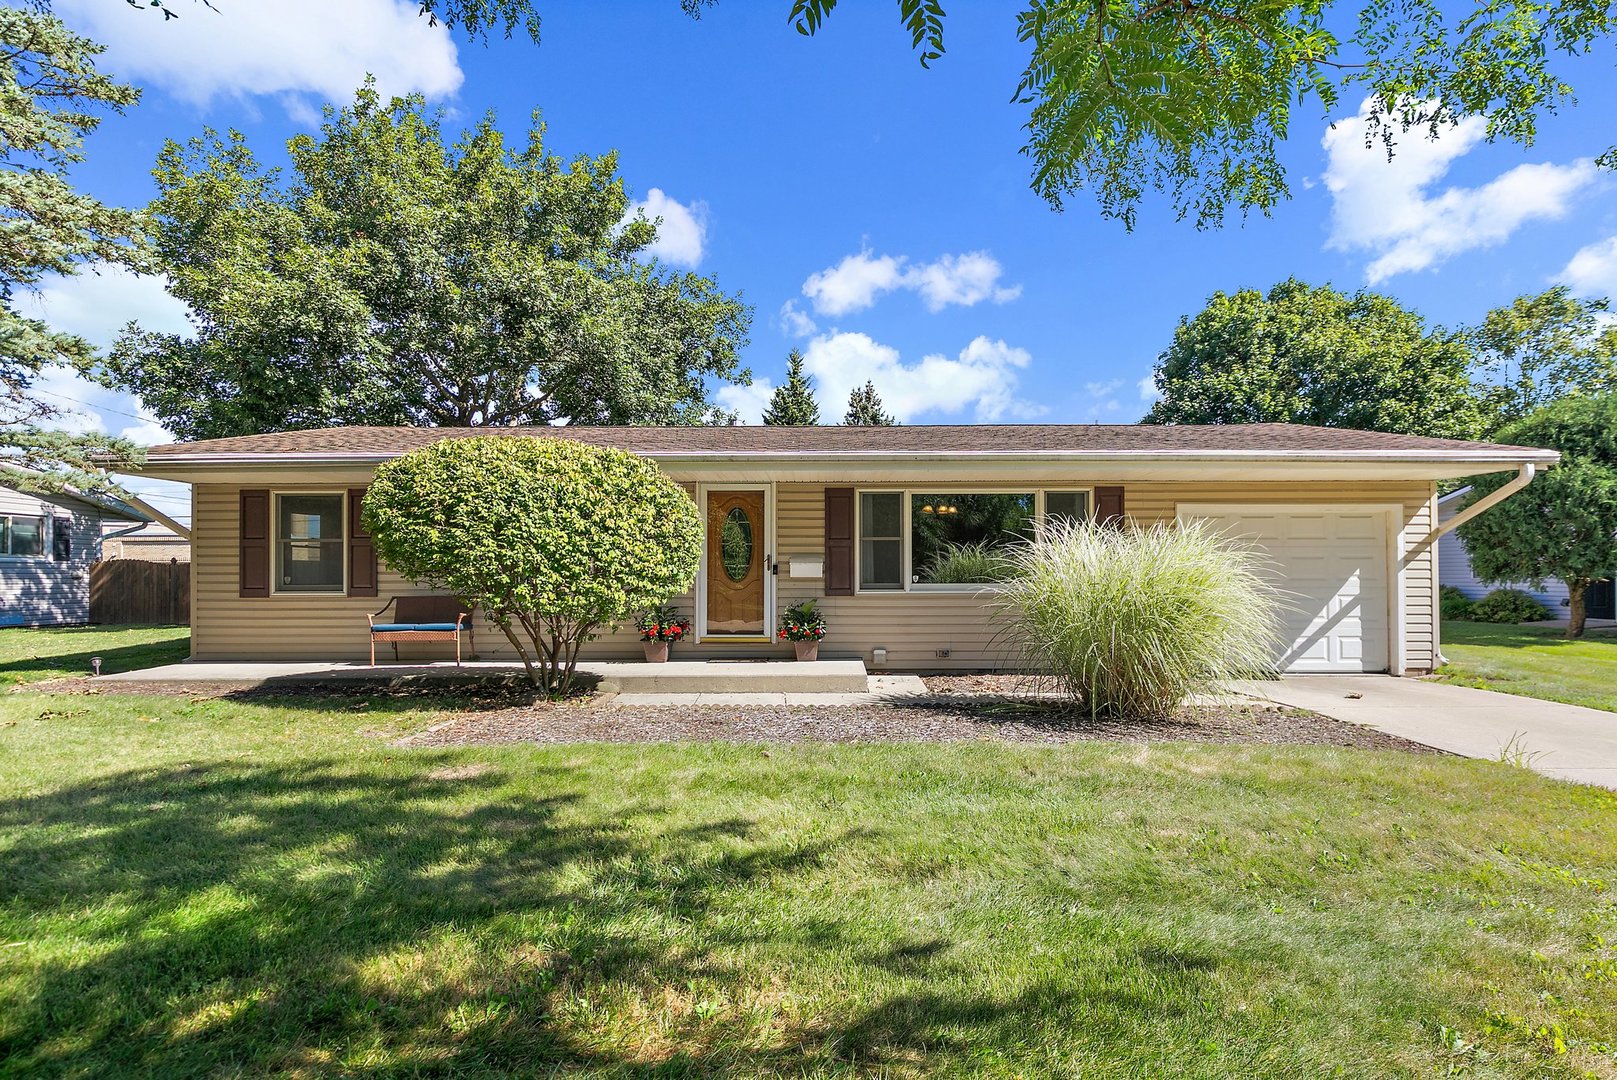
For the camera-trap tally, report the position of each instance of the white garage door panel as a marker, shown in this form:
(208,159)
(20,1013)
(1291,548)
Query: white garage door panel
(1332,568)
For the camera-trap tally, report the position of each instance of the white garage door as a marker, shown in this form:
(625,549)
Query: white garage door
(1332,566)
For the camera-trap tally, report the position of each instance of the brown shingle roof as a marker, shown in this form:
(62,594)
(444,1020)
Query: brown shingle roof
(1099,439)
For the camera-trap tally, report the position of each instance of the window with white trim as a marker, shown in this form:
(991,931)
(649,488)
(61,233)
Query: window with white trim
(22,536)
(881,540)
(938,540)
(962,538)
(309,552)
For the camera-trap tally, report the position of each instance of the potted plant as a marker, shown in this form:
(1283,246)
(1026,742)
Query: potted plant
(804,626)
(660,628)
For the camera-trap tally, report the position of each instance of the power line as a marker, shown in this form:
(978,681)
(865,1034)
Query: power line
(87,405)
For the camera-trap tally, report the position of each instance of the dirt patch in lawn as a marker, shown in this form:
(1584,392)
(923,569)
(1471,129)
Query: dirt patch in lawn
(922,719)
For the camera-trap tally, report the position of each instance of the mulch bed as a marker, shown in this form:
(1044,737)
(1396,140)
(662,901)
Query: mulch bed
(921,719)
(956,708)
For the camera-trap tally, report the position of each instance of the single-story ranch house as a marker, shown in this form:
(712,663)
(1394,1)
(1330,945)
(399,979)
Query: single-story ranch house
(857,516)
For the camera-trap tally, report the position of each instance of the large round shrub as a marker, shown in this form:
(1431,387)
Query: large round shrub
(1133,621)
(553,540)
(1508,606)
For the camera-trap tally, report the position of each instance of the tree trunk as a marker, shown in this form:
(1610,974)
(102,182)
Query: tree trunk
(1576,610)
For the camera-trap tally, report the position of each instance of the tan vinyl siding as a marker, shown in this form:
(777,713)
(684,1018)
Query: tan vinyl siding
(913,627)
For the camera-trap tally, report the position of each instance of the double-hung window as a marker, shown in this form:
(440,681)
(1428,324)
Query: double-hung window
(881,540)
(22,536)
(929,540)
(309,543)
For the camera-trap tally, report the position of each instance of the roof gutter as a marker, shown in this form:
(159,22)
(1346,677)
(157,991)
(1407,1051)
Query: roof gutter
(1524,476)
(1411,456)
(147,508)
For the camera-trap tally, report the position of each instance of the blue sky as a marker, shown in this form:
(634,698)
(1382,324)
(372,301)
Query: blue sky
(875,214)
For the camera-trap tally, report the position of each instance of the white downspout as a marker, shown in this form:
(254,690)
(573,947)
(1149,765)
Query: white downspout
(1524,476)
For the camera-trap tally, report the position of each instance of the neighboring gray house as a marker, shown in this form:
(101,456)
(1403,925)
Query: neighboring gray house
(47,545)
(1454,568)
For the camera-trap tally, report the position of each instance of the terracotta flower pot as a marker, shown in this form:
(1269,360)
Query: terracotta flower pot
(656,652)
(807,651)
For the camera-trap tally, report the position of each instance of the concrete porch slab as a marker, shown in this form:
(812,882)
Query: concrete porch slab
(676,677)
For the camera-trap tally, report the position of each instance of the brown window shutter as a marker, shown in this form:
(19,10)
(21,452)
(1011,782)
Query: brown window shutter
(1109,505)
(255,543)
(839,541)
(361,552)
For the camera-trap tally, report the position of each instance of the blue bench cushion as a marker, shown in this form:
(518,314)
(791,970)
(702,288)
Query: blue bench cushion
(407,627)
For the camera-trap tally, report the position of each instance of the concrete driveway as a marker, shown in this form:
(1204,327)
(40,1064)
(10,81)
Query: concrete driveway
(1565,741)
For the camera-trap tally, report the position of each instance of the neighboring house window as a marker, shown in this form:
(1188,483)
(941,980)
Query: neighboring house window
(309,543)
(881,540)
(939,541)
(23,537)
(960,539)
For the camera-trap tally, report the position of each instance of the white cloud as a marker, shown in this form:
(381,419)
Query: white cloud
(795,322)
(748,402)
(289,47)
(1148,388)
(856,282)
(96,304)
(1593,270)
(982,379)
(682,232)
(961,279)
(1386,207)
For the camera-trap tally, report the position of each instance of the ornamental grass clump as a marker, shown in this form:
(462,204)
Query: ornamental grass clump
(1131,622)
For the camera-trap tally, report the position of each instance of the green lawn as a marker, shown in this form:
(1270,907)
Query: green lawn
(1533,661)
(29,655)
(244,887)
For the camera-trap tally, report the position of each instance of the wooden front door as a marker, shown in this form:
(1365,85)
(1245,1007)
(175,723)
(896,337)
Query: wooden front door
(736,567)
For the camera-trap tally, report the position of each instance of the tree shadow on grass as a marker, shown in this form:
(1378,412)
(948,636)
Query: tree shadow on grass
(438,917)
(288,917)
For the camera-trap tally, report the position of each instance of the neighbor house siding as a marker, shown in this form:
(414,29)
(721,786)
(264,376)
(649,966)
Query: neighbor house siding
(1454,568)
(42,591)
(914,628)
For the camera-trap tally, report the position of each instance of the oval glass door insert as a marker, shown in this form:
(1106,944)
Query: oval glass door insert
(735,544)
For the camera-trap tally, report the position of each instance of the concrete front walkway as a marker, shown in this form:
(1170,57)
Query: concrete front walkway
(1565,741)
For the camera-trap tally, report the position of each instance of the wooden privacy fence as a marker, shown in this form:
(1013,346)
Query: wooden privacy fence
(124,591)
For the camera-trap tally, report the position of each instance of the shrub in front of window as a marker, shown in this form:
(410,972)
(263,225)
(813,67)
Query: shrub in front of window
(553,540)
(1508,606)
(1131,622)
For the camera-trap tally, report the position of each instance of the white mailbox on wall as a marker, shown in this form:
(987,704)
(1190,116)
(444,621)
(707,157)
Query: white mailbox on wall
(806,566)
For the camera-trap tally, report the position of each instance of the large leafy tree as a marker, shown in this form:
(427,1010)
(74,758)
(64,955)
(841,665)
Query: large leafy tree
(1305,355)
(793,404)
(1195,98)
(1564,524)
(552,540)
(403,279)
(865,408)
(51,97)
(1540,348)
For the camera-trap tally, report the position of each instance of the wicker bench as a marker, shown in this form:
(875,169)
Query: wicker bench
(422,618)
